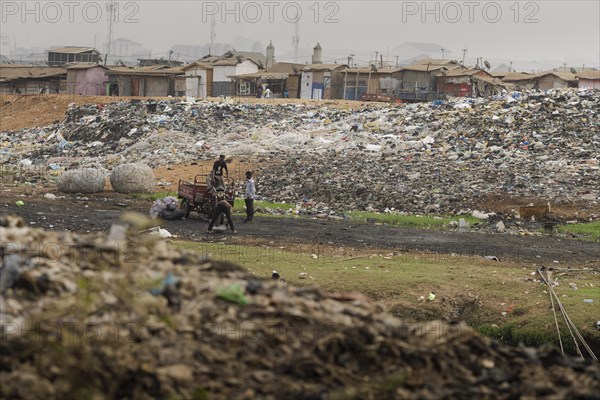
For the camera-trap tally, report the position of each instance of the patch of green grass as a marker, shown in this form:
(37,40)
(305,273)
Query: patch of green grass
(272,205)
(587,231)
(470,289)
(152,196)
(261,205)
(420,221)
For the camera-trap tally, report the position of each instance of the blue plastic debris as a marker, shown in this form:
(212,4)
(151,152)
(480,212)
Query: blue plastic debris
(169,280)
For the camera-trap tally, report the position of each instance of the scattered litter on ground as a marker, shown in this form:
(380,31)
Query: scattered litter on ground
(416,158)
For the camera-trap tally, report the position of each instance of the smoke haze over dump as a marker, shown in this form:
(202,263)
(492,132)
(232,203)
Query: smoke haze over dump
(518,31)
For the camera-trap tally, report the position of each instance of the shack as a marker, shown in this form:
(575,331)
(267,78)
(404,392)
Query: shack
(322,81)
(465,82)
(554,80)
(589,79)
(378,84)
(151,81)
(198,79)
(87,79)
(283,79)
(29,79)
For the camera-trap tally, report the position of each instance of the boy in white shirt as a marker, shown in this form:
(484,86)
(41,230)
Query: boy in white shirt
(249,197)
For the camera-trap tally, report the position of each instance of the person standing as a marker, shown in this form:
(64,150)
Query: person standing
(217,171)
(268,93)
(249,197)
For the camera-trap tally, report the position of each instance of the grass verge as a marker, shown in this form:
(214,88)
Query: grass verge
(501,300)
(420,221)
(588,231)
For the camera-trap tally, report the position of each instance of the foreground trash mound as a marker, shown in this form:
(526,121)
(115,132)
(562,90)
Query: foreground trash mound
(124,316)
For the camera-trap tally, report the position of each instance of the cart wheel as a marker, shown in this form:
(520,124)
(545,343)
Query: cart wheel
(185,207)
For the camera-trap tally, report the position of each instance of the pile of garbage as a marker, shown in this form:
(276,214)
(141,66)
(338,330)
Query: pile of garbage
(167,208)
(417,157)
(123,315)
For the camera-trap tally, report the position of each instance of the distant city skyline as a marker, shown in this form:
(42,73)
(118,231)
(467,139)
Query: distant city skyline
(528,33)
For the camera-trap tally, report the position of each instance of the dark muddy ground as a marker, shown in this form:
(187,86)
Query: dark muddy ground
(98,212)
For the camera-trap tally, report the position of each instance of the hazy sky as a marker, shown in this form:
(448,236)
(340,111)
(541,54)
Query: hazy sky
(526,30)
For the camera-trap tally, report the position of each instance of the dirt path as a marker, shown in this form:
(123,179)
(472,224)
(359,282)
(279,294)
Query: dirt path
(98,212)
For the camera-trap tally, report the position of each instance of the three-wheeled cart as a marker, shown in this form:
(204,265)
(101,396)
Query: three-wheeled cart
(201,196)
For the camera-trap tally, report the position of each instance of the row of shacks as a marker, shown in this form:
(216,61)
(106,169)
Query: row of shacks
(78,71)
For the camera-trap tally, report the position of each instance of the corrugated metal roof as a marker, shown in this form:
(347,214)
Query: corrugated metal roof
(233,57)
(200,64)
(424,67)
(228,62)
(366,70)
(490,79)
(10,72)
(85,66)
(517,76)
(323,67)
(436,61)
(263,75)
(256,57)
(73,50)
(284,67)
(151,70)
(464,72)
(566,76)
(589,74)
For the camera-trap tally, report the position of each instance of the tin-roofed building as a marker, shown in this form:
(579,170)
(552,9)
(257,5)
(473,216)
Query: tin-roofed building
(29,79)
(283,79)
(588,79)
(377,84)
(322,81)
(554,80)
(87,79)
(198,79)
(60,56)
(152,81)
(468,82)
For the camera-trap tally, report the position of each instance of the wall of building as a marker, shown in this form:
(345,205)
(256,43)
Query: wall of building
(417,80)
(33,86)
(180,88)
(223,89)
(156,86)
(589,83)
(246,67)
(209,83)
(306,85)
(87,82)
(221,73)
(149,86)
(198,83)
(336,90)
(551,82)
(60,59)
(459,89)
(356,86)
(390,84)
(195,79)
(293,86)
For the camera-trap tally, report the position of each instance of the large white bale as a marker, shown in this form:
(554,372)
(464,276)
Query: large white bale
(132,178)
(86,180)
